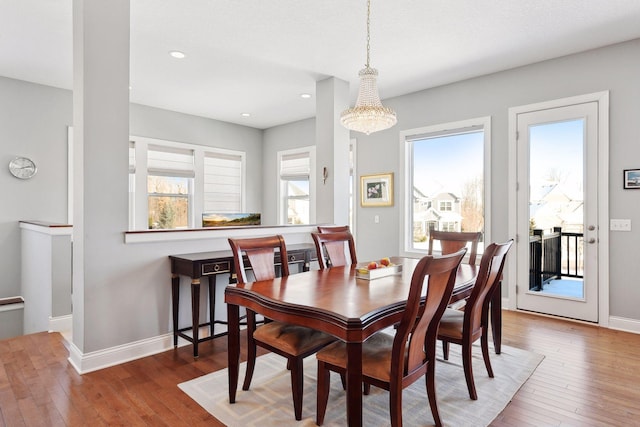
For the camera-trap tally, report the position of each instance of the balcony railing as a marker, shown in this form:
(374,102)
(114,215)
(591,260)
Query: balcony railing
(554,255)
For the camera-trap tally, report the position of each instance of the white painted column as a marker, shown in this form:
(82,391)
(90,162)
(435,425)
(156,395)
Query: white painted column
(332,152)
(100,144)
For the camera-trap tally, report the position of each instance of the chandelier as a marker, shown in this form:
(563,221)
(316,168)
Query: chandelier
(369,115)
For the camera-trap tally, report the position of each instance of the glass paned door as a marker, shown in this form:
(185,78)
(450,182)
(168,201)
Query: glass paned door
(557,211)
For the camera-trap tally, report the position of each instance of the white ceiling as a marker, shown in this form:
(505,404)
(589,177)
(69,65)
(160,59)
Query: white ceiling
(258,56)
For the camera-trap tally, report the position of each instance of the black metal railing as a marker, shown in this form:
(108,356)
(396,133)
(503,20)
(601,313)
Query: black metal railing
(554,255)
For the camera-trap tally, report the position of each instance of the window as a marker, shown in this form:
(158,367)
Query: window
(223,182)
(445,170)
(295,170)
(446,205)
(170,173)
(171,184)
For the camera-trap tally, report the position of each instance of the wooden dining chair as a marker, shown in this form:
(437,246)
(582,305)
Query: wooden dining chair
(331,249)
(395,362)
(465,326)
(332,228)
(290,341)
(452,241)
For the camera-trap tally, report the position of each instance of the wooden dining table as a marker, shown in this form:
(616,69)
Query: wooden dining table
(334,301)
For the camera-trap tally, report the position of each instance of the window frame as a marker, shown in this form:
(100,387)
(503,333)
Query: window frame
(282,205)
(406,138)
(138,175)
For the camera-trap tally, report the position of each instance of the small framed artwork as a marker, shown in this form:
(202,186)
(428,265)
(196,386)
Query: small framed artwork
(632,179)
(376,190)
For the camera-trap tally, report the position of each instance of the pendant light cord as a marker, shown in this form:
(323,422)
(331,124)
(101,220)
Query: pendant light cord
(368,30)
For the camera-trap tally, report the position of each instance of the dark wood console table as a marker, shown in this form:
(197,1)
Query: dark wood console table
(209,265)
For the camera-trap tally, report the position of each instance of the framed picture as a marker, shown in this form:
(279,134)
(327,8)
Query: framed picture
(376,190)
(632,179)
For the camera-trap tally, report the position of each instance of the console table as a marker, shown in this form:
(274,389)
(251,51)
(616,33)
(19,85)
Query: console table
(209,265)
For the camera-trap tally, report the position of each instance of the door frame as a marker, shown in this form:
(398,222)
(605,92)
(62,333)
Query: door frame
(602,98)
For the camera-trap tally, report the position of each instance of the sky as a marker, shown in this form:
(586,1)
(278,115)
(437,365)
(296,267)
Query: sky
(444,164)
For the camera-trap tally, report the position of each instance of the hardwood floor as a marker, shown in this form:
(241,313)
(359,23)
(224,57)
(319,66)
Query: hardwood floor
(590,377)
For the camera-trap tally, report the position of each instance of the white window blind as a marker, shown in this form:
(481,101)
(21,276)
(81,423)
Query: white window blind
(295,166)
(222,182)
(170,161)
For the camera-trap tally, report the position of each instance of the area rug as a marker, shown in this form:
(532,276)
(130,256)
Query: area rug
(269,402)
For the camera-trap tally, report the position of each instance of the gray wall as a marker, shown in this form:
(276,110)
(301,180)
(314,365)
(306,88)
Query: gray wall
(130,301)
(132,288)
(33,123)
(615,68)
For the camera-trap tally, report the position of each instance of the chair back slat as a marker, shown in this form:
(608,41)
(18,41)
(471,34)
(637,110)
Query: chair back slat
(453,241)
(260,252)
(331,249)
(419,323)
(489,276)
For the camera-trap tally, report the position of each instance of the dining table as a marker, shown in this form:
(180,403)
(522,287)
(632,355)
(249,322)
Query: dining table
(335,301)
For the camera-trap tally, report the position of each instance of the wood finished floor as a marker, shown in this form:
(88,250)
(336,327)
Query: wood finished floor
(590,377)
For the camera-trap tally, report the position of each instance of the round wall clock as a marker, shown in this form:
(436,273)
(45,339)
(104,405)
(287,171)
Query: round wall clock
(22,167)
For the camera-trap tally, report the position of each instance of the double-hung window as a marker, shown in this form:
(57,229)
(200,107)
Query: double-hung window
(295,171)
(172,184)
(445,176)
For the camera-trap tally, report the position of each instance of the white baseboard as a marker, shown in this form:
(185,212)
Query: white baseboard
(624,324)
(93,361)
(60,323)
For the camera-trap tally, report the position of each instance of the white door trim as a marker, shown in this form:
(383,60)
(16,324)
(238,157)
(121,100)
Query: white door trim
(602,98)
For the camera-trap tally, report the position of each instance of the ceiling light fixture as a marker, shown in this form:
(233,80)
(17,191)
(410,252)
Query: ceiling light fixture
(305,95)
(245,114)
(369,115)
(177,54)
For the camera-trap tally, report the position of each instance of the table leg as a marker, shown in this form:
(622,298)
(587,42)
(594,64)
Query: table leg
(175,302)
(195,313)
(212,304)
(354,384)
(233,346)
(496,318)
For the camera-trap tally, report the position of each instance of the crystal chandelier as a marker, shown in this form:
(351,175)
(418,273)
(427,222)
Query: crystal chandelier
(369,115)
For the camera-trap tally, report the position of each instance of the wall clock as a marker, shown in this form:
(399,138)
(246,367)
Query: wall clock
(22,167)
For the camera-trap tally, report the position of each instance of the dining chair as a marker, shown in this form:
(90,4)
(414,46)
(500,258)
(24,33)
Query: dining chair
(331,248)
(452,241)
(332,228)
(395,362)
(464,327)
(290,341)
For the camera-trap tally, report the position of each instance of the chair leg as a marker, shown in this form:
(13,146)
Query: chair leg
(251,349)
(297,385)
(431,392)
(468,370)
(367,389)
(445,349)
(343,379)
(323,392)
(395,404)
(484,343)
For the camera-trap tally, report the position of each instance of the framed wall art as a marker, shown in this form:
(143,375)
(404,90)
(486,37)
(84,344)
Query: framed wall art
(632,179)
(376,190)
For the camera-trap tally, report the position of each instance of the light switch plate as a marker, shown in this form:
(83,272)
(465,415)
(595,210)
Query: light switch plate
(620,225)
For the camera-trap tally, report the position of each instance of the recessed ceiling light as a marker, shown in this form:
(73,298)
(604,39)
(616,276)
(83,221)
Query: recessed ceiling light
(305,95)
(177,54)
(246,114)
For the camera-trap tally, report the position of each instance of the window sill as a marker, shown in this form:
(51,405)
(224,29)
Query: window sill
(150,236)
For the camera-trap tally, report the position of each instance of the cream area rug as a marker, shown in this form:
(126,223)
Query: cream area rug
(269,401)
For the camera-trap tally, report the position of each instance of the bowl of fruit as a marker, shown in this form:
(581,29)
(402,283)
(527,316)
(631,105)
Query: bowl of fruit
(376,269)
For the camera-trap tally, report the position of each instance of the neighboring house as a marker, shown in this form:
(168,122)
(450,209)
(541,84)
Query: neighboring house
(552,205)
(441,212)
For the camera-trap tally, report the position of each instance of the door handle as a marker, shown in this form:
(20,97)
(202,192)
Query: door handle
(592,227)
(592,240)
